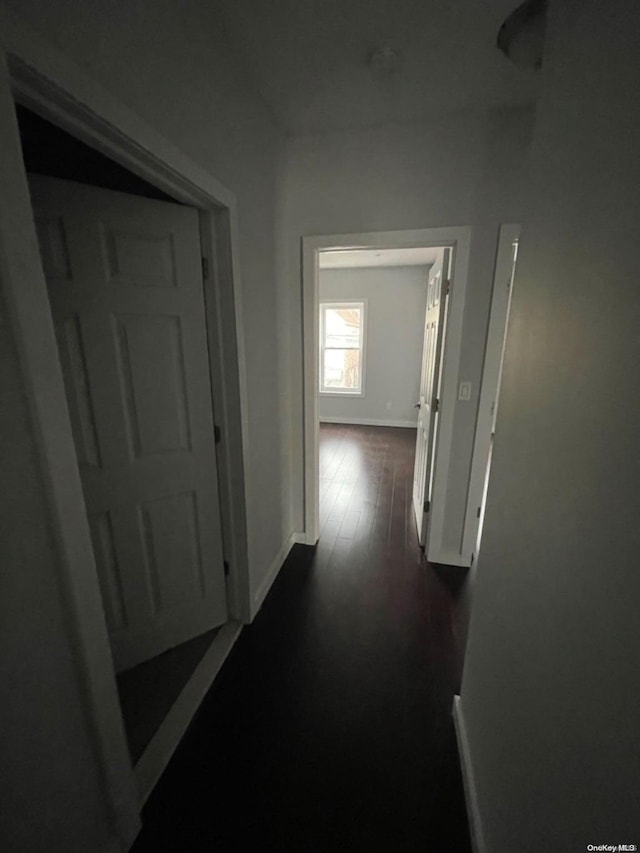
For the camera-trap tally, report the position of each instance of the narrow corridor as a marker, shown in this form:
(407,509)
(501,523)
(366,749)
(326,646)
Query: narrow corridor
(329,727)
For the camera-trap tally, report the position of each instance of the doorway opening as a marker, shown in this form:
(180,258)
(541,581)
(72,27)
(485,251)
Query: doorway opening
(77,192)
(382,318)
(365,362)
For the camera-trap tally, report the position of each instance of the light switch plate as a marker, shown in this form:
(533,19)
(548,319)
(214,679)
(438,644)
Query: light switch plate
(464,391)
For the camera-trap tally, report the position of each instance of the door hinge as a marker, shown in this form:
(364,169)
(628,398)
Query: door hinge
(205,268)
(226,569)
(217,434)
(436,405)
(427,506)
(447,287)
(472,558)
(478,512)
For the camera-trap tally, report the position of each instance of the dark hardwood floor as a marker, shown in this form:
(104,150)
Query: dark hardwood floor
(329,727)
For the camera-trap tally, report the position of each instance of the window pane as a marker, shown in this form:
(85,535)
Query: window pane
(342,327)
(342,369)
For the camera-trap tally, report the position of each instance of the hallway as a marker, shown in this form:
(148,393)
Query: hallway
(329,727)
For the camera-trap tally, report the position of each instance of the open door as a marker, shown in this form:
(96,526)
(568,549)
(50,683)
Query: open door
(428,404)
(125,285)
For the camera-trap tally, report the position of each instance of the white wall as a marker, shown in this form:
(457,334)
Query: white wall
(167,61)
(51,797)
(466,169)
(551,694)
(396,303)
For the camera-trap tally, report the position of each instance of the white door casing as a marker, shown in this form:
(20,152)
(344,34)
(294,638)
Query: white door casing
(429,401)
(125,285)
(490,386)
(458,240)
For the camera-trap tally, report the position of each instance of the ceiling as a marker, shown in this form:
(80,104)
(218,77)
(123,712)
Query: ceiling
(308,59)
(343,258)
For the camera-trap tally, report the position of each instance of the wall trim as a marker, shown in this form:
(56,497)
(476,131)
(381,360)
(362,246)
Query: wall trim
(490,381)
(369,422)
(154,760)
(273,571)
(468,779)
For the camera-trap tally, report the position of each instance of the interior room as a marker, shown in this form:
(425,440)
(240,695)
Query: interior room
(371,328)
(251,597)
(393,286)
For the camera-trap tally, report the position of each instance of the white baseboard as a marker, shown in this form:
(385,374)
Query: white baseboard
(369,422)
(157,755)
(272,573)
(448,558)
(468,780)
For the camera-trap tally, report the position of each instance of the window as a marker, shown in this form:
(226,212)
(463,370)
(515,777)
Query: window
(342,348)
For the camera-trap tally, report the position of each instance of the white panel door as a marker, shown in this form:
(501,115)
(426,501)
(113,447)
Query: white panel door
(125,285)
(428,404)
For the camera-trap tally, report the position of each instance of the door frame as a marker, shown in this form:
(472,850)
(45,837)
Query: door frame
(491,376)
(422,524)
(458,239)
(42,78)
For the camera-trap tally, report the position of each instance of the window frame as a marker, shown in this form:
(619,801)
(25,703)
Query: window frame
(341,304)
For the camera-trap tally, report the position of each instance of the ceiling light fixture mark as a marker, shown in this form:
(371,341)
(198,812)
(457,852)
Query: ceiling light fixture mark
(384,61)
